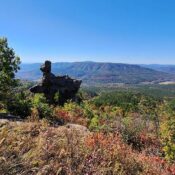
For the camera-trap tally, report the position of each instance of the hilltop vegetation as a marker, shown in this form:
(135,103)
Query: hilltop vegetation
(126,130)
(127,134)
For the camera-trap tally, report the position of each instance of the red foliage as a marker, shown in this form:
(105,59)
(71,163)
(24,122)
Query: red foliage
(70,117)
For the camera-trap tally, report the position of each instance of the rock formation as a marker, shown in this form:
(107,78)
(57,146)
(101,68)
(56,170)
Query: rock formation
(51,84)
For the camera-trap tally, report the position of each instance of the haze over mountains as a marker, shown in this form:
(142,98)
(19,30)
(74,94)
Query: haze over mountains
(94,72)
(163,68)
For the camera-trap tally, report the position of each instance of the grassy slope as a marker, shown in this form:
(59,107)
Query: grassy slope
(36,148)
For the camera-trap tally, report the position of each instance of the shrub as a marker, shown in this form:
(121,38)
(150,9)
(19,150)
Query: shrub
(167,129)
(131,132)
(19,105)
(70,113)
(94,123)
(43,108)
(168,137)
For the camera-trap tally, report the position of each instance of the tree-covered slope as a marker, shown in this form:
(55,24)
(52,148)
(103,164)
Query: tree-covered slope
(163,68)
(93,72)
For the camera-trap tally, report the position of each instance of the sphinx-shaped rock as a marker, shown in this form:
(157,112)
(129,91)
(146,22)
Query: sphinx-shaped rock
(51,84)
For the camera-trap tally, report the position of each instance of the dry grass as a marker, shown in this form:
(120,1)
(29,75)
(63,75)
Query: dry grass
(36,148)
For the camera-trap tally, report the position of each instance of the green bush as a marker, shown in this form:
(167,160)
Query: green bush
(94,123)
(131,131)
(168,134)
(19,105)
(40,103)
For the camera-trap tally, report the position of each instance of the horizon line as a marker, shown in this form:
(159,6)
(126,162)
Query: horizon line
(168,64)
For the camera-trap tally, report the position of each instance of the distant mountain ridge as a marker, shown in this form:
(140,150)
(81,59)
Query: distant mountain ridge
(163,68)
(94,72)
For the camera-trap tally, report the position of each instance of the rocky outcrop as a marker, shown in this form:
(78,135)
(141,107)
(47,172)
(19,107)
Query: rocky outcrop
(51,84)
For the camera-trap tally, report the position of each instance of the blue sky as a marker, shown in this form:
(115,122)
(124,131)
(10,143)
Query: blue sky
(127,31)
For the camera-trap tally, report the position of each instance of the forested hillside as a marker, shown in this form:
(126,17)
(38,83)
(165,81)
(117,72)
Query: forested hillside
(93,72)
(163,68)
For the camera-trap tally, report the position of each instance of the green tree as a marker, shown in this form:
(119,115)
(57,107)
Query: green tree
(168,130)
(148,107)
(9,65)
